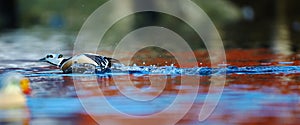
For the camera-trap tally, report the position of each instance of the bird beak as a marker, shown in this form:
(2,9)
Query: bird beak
(25,86)
(42,59)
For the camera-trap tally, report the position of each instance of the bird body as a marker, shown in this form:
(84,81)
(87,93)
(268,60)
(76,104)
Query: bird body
(66,64)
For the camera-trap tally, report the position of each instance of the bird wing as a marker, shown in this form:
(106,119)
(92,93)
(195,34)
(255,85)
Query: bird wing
(102,61)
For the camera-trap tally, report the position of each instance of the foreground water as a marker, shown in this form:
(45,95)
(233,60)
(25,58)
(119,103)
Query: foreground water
(260,88)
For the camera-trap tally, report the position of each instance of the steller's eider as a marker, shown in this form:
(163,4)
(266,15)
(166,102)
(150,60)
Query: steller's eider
(65,64)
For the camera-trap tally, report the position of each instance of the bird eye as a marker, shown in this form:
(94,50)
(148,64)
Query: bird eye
(60,56)
(49,56)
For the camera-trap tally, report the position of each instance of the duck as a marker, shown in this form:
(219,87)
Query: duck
(66,64)
(13,90)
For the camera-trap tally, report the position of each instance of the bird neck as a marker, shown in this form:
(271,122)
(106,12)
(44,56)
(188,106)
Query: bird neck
(62,62)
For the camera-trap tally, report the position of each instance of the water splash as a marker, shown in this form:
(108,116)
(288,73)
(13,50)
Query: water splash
(204,71)
(87,70)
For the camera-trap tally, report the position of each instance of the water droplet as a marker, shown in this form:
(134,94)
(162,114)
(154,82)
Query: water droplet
(223,65)
(285,62)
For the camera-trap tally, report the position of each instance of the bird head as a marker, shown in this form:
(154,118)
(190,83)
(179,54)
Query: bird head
(54,59)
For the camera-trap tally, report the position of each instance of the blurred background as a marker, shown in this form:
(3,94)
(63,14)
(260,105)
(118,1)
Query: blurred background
(273,24)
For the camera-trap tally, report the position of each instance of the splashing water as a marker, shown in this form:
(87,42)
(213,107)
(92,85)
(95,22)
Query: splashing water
(203,71)
(162,70)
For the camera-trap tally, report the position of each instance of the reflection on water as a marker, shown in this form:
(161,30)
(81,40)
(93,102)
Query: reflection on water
(247,98)
(252,95)
(32,44)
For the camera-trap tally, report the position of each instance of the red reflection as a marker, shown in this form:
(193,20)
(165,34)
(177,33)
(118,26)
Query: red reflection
(248,99)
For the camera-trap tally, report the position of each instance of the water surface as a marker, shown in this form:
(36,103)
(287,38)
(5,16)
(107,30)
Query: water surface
(261,87)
